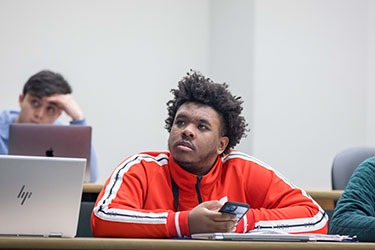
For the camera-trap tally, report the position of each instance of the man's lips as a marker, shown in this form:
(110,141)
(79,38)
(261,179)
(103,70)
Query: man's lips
(185,145)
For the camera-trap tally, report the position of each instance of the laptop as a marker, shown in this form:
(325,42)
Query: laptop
(272,236)
(251,237)
(51,140)
(40,196)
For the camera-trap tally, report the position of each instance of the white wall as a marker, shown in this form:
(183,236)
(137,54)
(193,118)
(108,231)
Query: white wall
(121,57)
(310,85)
(232,53)
(305,69)
(370,90)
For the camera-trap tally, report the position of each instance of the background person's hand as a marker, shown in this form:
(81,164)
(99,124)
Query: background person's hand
(68,105)
(206,218)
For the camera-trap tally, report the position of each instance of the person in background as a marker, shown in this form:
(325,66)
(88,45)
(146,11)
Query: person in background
(44,97)
(179,192)
(355,211)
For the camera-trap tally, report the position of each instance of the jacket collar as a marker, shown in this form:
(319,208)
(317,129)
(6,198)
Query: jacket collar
(186,180)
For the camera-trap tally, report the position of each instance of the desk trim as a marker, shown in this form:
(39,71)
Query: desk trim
(92,188)
(116,243)
(326,195)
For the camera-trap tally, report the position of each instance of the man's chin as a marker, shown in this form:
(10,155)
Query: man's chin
(182,161)
(190,167)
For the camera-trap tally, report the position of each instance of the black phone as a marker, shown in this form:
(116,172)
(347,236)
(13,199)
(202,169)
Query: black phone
(236,208)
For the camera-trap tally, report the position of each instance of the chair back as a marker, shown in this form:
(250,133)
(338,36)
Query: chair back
(346,162)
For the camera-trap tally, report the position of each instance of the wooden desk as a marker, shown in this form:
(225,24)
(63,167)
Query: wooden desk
(107,243)
(92,188)
(326,199)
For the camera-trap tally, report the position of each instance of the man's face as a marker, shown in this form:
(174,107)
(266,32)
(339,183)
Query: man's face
(195,140)
(37,110)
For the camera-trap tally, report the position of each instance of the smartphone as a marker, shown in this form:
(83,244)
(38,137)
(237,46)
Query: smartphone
(236,208)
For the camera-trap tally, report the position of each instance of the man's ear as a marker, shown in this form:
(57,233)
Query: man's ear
(223,144)
(20,99)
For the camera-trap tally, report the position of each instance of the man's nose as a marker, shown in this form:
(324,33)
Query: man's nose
(39,113)
(188,131)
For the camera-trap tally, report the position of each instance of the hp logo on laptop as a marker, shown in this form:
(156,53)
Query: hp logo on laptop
(23,195)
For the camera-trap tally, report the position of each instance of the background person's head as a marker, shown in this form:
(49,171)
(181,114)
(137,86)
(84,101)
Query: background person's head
(34,106)
(200,93)
(46,83)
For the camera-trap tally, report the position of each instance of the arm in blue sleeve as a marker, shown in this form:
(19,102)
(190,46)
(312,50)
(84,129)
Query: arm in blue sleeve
(93,158)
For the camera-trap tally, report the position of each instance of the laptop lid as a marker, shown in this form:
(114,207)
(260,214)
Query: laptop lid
(272,235)
(40,196)
(252,237)
(51,140)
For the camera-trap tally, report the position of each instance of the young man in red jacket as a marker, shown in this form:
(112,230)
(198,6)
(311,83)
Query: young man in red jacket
(179,192)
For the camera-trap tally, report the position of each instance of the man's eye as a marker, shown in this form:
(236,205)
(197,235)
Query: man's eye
(35,103)
(51,110)
(180,122)
(202,127)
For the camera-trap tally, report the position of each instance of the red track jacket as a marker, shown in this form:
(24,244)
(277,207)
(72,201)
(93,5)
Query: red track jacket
(137,200)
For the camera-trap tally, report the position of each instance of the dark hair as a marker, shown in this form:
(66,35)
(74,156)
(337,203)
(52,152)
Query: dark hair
(196,88)
(46,83)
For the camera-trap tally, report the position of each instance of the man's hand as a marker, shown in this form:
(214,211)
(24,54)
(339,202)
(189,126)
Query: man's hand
(67,104)
(205,218)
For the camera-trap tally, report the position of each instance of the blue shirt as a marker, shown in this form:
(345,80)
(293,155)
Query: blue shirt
(8,117)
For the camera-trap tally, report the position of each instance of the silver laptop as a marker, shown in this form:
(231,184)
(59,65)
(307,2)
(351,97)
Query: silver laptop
(251,237)
(40,196)
(272,236)
(51,140)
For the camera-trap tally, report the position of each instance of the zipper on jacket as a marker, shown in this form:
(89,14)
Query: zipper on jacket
(199,178)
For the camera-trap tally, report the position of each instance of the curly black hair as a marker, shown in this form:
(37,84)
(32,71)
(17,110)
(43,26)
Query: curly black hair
(196,88)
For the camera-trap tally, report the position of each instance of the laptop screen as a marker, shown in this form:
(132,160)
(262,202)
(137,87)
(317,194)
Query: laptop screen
(52,141)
